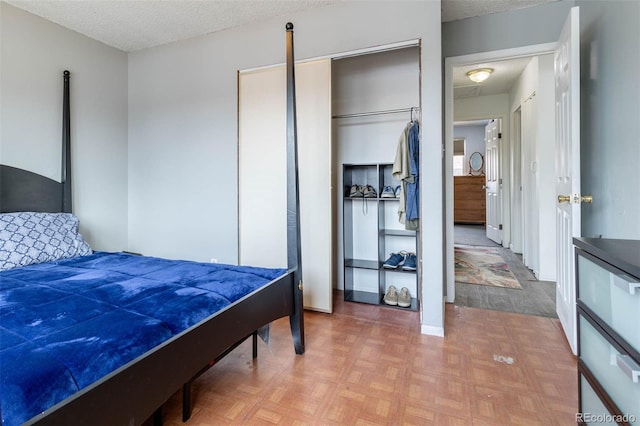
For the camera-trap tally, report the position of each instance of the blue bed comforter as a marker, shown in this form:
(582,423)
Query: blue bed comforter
(66,324)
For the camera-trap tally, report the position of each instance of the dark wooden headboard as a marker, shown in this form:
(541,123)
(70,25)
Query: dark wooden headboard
(22,190)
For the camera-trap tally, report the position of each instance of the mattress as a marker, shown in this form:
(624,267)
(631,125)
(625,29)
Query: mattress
(66,324)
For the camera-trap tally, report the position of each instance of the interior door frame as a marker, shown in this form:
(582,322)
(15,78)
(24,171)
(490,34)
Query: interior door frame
(449,64)
(515,173)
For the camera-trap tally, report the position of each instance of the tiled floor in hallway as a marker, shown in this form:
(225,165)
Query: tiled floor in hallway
(368,365)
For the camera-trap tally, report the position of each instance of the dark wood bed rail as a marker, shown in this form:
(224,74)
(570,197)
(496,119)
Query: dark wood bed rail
(131,394)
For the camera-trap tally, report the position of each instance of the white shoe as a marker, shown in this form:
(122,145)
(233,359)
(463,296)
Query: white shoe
(404,298)
(391,296)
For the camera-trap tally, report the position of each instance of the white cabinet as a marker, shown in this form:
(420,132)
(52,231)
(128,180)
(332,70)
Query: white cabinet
(608,302)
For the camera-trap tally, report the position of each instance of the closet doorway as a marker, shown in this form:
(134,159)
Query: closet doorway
(374,98)
(323,147)
(518,76)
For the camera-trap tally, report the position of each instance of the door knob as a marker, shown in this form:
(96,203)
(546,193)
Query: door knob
(564,199)
(587,199)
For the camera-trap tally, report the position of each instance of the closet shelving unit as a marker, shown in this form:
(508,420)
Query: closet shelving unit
(371,232)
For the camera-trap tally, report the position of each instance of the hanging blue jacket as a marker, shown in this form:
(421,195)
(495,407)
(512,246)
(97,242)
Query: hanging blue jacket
(413,188)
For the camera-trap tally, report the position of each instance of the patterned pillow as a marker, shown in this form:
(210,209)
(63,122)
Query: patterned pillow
(27,238)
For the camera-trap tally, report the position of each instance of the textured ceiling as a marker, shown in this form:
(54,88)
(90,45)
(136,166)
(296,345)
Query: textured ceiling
(459,9)
(137,24)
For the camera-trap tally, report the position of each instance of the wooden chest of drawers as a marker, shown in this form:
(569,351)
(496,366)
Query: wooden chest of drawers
(469,199)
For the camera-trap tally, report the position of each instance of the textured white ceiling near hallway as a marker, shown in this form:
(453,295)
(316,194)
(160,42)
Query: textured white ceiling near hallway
(137,24)
(505,73)
(460,9)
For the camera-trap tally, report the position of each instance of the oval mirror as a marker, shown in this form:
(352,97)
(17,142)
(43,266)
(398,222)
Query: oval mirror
(476,162)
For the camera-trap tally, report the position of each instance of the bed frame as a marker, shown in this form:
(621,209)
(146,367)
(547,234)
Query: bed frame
(133,393)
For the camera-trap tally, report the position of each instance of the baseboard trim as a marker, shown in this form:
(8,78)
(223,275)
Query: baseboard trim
(431,330)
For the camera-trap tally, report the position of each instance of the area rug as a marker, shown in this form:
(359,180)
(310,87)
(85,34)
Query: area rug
(484,266)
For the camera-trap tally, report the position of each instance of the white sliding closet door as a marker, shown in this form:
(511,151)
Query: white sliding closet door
(262,174)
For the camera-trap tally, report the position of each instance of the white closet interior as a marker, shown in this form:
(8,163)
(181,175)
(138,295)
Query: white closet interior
(370,83)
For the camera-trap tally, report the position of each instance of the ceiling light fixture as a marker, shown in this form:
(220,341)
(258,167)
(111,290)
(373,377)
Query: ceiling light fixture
(479,75)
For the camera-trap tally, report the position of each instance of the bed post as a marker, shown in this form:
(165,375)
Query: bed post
(66,147)
(293,202)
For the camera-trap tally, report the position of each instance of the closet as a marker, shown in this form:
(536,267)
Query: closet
(374,97)
(350,110)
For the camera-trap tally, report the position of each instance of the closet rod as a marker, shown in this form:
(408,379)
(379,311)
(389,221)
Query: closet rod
(388,111)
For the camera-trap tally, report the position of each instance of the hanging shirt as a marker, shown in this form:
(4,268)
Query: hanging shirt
(406,169)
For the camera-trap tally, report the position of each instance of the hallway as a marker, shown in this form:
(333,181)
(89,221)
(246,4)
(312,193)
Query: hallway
(535,297)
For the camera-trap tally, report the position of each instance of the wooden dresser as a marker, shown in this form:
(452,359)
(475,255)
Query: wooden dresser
(469,199)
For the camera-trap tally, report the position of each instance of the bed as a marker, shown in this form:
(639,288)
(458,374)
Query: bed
(106,338)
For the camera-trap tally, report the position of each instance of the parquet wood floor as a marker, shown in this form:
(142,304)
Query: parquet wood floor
(368,365)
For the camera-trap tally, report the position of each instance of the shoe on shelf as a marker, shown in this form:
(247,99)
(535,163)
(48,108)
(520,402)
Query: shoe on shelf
(394,260)
(369,192)
(397,191)
(355,191)
(391,296)
(387,192)
(409,262)
(404,298)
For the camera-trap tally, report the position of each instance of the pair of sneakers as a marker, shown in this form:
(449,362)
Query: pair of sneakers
(366,191)
(402,259)
(394,298)
(389,192)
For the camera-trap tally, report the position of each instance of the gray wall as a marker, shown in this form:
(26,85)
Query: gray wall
(610,117)
(520,27)
(610,95)
(34,54)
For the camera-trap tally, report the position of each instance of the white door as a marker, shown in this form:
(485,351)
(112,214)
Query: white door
(262,174)
(492,132)
(567,153)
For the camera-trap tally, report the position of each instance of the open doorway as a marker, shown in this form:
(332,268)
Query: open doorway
(514,168)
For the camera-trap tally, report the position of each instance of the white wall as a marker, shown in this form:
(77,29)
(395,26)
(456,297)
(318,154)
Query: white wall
(538,78)
(546,167)
(183,128)
(34,54)
(609,124)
